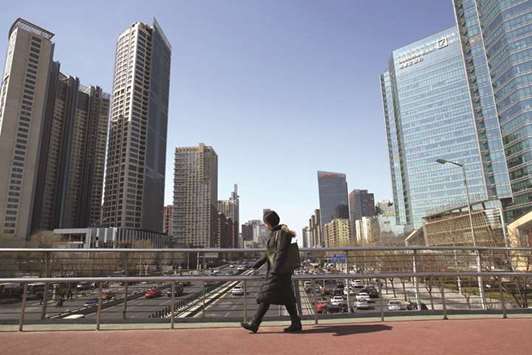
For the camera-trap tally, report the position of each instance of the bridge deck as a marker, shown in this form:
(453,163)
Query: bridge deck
(434,337)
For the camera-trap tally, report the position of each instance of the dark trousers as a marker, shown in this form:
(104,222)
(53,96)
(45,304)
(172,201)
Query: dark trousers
(263,308)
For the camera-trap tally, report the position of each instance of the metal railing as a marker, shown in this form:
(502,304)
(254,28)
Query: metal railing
(108,286)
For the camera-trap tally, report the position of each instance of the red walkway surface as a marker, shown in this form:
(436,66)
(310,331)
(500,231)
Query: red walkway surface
(487,336)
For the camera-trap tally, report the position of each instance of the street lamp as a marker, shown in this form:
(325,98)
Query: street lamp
(479,265)
(443,161)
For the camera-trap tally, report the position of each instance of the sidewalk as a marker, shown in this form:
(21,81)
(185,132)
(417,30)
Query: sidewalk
(435,337)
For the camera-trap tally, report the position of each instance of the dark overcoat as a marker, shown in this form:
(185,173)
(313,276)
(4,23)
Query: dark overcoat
(277,288)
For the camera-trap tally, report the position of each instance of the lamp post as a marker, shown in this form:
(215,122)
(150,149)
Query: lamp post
(443,161)
(479,264)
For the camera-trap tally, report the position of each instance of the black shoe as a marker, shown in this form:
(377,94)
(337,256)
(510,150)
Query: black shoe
(249,326)
(294,327)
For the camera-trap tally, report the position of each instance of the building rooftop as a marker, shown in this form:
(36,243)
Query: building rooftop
(28,26)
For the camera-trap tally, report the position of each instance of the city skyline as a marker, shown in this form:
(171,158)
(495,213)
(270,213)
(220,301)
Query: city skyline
(99,52)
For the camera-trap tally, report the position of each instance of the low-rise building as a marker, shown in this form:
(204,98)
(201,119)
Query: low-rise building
(337,233)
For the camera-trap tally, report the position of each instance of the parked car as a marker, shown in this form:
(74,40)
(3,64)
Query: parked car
(178,291)
(362,305)
(241,268)
(337,300)
(237,291)
(395,305)
(152,293)
(362,296)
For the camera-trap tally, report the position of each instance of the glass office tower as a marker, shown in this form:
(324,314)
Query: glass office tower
(333,196)
(430,115)
(496,40)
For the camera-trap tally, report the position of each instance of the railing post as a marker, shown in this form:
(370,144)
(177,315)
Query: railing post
(44,301)
(203,302)
(23,307)
(126,286)
(245,301)
(443,301)
(172,306)
(99,308)
(480,282)
(346,287)
(315,310)
(381,301)
(124,308)
(416,282)
(503,300)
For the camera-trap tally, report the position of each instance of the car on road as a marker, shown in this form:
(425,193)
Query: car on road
(362,296)
(178,291)
(152,293)
(307,285)
(371,291)
(357,283)
(337,308)
(412,306)
(74,316)
(84,286)
(349,291)
(107,295)
(395,305)
(237,291)
(241,268)
(91,302)
(362,305)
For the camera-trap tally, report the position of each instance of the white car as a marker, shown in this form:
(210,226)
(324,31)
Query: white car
(241,268)
(362,305)
(357,283)
(74,316)
(395,305)
(349,290)
(237,291)
(363,296)
(337,300)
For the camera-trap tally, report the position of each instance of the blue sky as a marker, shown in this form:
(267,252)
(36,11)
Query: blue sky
(280,89)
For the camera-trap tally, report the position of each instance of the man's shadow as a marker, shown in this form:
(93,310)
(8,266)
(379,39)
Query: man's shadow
(340,330)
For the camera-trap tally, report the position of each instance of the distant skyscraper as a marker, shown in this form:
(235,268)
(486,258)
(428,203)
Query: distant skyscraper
(316,236)
(72,156)
(196,196)
(22,110)
(333,196)
(305,237)
(497,51)
(255,233)
(230,209)
(361,204)
(429,115)
(135,173)
(168,219)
